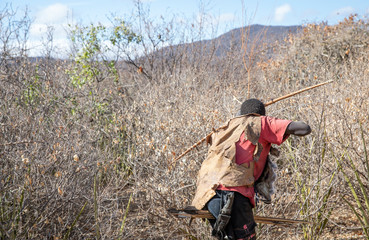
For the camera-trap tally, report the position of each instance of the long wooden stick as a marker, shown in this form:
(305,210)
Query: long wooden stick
(183,213)
(193,146)
(266,104)
(297,92)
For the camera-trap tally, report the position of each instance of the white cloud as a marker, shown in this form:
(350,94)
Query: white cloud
(227,17)
(281,11)
(344,11)
(38,28)
(53,17)
(60,48)
(55,13)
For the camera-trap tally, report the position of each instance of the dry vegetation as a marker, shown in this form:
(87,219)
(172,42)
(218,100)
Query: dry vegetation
(88,154)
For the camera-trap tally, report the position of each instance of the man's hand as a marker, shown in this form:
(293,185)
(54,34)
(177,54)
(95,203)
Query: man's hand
(298,129)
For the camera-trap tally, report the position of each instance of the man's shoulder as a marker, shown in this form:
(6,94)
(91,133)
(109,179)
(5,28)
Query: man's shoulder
(250,124)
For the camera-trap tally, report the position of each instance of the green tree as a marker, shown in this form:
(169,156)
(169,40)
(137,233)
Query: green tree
(98,50)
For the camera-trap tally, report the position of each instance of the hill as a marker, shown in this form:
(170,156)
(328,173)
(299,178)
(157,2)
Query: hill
(257,41)
(254,36)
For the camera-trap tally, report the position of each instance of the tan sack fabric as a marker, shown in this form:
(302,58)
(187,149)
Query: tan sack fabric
(219,167)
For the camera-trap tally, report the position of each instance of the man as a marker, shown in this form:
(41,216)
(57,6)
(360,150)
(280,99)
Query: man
(237,160)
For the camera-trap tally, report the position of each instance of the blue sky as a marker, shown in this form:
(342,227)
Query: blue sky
(227,14)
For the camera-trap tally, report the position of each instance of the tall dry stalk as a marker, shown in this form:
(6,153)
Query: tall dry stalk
(250,45)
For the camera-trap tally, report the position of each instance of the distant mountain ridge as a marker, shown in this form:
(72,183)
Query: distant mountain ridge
(254,37)
(258,34)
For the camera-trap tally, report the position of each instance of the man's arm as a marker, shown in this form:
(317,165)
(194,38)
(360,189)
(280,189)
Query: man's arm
(298,129)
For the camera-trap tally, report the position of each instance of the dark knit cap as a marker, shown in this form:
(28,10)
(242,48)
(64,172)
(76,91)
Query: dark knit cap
(252,105)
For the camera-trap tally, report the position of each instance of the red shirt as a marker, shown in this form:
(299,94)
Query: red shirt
(272,132)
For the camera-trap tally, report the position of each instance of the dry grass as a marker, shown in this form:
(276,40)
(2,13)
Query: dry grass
(96,162)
